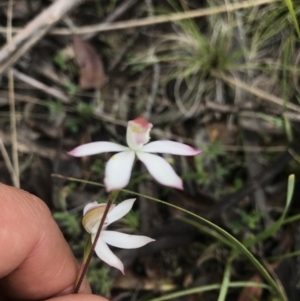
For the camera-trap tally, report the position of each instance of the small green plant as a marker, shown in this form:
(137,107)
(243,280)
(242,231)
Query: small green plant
(72,88)
(187,58)
(55,106)
(213,151)
(238,183)
(98,167)
(61,60)
(72,125)
(99,279)
(62,195)
(132,220)
(247,220)
(85,110)
(69,223)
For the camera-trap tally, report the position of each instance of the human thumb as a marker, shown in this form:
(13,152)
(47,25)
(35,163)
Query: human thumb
(78,297)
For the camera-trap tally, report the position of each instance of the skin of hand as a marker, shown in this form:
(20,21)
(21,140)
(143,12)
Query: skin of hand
(36,262)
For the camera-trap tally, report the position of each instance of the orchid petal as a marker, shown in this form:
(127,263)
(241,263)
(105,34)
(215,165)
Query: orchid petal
(138,133)
(96,148)
(104,253)
(118,170)
(90,206)
(124,241)
(160,170)
(120,210)
(170,147)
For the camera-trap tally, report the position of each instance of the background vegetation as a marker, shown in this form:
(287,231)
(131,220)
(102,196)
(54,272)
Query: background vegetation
(225,80)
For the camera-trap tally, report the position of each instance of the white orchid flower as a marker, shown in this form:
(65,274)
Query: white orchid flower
(92,215)
(118,168)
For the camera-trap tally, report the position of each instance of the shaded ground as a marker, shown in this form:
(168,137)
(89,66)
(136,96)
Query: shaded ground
(227,83)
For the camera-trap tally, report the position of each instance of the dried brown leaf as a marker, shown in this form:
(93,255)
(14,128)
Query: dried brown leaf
(218,131)
(91,68)
(253,293)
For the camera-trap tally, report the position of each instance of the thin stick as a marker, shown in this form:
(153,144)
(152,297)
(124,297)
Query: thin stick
(111,199)
(33,32)
(11,95)
(8,164)
(119,11)
(256,91)
(159,19)
(39,85)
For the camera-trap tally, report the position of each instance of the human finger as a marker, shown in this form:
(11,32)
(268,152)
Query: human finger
(36,261)
(80,297)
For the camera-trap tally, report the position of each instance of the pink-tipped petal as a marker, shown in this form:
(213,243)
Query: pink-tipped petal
(120,210)
(124,241)
(118,170)
(170,147)
(160,170)
(94,148)
(104,253)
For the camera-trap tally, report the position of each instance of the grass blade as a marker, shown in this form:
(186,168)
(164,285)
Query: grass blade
(289,4)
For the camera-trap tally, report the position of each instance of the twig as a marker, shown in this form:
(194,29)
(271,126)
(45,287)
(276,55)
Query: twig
(13,127)
(33,32)
(12,109)
(8,164)
(27,146)
(38,85)
(160,19)
(294,155)
(256,91)
(119,11)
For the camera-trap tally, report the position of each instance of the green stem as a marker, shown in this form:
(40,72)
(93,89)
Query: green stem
(234,242)
(87,262)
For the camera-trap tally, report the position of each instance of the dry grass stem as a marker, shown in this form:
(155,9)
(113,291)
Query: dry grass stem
(38,85)
(8,164)
(256,91)
(157,19)
(33,32)
(13,122)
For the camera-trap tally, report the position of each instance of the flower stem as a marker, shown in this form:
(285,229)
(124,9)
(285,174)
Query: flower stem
(86,263)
